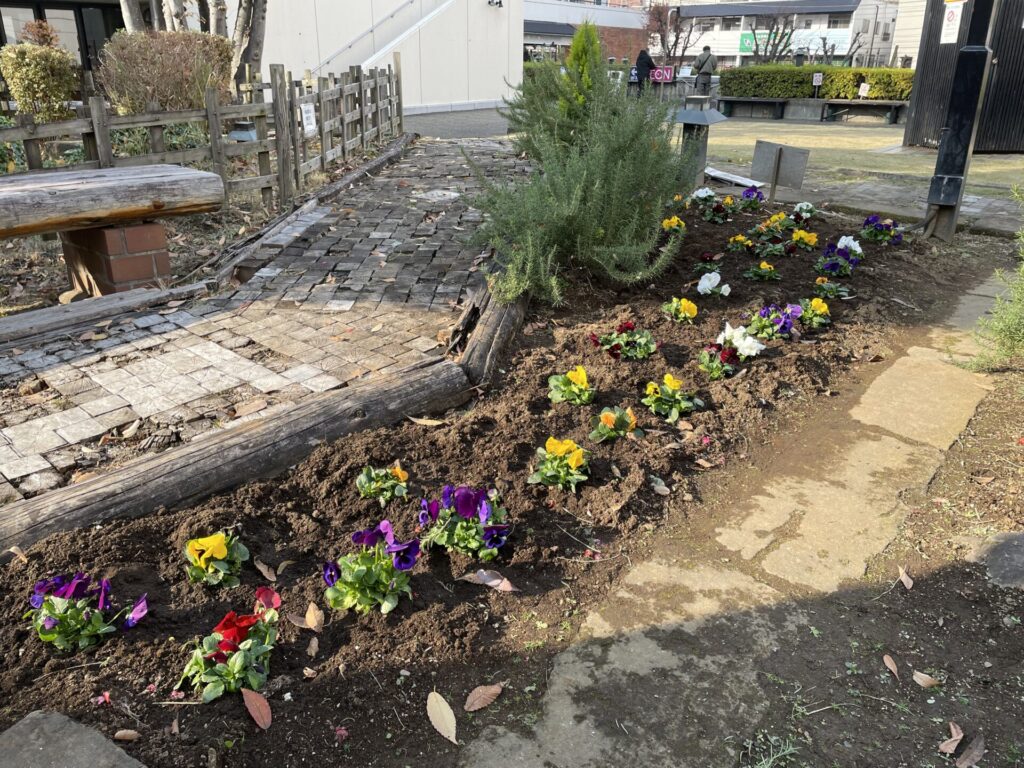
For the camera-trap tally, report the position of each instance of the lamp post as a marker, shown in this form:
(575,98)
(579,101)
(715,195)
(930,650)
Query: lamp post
(696,116)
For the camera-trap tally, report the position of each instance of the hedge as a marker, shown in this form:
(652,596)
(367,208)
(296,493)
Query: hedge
(785,81)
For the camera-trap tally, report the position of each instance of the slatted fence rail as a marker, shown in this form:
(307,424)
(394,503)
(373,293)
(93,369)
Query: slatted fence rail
(301,127)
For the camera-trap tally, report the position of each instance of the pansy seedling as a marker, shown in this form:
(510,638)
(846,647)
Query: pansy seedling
(680,310)
(613,423)
(376,576)
(763,271)
(669,400)
(571,387)
(385,485)
(215,560)
(72,612)
(626,342)
(468,520)
(560,463)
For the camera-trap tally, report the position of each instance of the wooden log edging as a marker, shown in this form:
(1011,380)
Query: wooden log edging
(257,449)
(497,325)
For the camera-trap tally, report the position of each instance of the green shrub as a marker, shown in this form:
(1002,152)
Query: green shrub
(595,204)
(42,80)
(785,81)
(173,69)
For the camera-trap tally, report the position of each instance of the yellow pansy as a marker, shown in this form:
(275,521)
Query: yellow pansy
(632,420)
(819,306)
(728,200)
(802,236)
(673,223)
(688,308)
(558,447)
(575,459)
(672,382)
(741,239)
(653,389)
(821,280)
(578,376)
(608,419)
(767,267)
(398,473)
(203,550)
(677,198)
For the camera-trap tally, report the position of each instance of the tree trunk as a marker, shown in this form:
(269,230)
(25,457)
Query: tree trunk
(178,16)
(203,6)
(257,35)
(220,18)
(156,15)
(240,37)
(132,15)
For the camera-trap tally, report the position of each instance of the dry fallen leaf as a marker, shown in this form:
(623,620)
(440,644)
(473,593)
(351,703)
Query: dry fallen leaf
(905,578)
(925,680)
(483,696)
(284,564)
(309,673)
(314,617)
(983,479)
(297,620)
(426,422)
(126,734)
(491,579)
(703,463)
(948,747)
(19,553)
(258,708)
(441,716)
(974,752)
(268,573)
(891,665)
(313,648)
(175,728)
(131,429)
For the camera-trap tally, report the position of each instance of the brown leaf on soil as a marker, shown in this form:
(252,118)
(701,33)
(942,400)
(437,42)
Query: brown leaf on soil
(258,708)
(925,680)
(314,617)
(284,564)
(175,728)
(905,578)
(19,553)
(974,752)
(491,579)
(426,422)
(297,620)
(309,673)
(313,648)
(684,426)
(948,747)
(126,734)
(891,666)
(703,463)
(483,696)
(983,479)
(268,573)
(441,716)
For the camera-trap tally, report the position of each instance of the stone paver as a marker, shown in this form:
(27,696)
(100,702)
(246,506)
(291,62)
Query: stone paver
(1003,555)
(361,288)
(51,740)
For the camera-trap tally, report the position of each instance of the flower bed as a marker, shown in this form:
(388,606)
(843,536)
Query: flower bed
(357,694)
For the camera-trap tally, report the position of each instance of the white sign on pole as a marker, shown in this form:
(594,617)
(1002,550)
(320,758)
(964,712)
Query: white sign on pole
(953,11)
(864,90)
(819,79)
(308,120)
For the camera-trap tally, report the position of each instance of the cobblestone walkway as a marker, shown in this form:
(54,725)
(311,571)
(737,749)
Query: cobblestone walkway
(364,287)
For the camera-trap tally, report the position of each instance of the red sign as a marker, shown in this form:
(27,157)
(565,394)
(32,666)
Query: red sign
(663,74)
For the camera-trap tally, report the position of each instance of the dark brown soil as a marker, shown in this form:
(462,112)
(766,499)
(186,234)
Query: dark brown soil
(372,674)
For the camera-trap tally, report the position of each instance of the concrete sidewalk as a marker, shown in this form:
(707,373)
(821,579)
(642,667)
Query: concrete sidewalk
(666,672)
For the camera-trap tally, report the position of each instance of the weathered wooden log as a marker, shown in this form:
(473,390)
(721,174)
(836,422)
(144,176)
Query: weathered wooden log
(34,203)
(497,325)
(257,449)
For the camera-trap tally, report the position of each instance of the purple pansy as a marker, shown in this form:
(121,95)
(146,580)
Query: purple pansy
(753,193)
(75,589)
(468,500)
(485,511)
(43,588)
(370,537)
(446,496)
(403,555)
(50,622)
(103,595)
(137,613)
(429,510)
(331,573)
(495,536)
(872,220)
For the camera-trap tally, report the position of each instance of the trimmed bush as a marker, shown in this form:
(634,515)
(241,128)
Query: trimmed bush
(42,80)
(173,69)
(785,81)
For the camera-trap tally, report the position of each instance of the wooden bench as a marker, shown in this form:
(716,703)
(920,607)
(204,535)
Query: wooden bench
(104,218)
(727,102)
(834,108)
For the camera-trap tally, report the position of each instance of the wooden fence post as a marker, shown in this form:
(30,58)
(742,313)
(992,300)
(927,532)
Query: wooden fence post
(325,135)
(399,104)
(282,128)
(361,102)
(346,80)
(156,132)
(101,131)
(33,147)
(215,129)
(392,122)
(88,139)
(298,132)
(260,122)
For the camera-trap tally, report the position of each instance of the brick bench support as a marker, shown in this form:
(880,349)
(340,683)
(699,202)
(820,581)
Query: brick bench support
(105,260)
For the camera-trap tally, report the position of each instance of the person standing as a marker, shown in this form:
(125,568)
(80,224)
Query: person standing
(644,65)
(705,66)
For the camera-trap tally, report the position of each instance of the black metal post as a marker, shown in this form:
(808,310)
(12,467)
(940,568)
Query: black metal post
(956,142)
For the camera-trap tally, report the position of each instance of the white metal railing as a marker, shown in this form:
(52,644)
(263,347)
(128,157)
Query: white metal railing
(385,49)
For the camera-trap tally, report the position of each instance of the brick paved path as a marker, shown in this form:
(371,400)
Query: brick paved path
(369,286)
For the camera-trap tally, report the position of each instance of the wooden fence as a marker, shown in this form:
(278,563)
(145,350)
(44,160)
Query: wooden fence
(301,127)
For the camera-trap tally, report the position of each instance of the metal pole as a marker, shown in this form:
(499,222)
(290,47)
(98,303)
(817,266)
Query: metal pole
(956,142)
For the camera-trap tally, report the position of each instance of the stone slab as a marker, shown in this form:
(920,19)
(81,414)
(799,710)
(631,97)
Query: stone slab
(1003,555)
(51,740)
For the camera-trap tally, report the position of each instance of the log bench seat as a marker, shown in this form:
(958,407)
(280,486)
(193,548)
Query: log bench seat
(104,217)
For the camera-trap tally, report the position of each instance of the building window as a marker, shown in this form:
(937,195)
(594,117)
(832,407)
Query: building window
(63,20)
(808,23)
(731,23)
(14,21)
(865,26)
(838,22)
(706,25)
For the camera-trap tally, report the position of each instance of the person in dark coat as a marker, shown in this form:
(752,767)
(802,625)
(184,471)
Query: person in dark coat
(644,65)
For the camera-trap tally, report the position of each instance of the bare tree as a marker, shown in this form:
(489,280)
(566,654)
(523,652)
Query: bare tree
(203,6)
(856,43)
(220,18)
(828,50)
(777,41)
(132,14)
(250,32)
(675,34)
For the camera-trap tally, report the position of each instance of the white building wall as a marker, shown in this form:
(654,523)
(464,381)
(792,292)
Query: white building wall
(456,54)
(909,26)
(563,12)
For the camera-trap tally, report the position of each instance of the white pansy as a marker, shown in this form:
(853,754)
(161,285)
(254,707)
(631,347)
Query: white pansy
(725,290)
(708,283)
(847,243)
(704,193)
(748,346)
(805,209)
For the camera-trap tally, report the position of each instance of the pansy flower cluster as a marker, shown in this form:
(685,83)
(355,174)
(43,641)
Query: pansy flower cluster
(718,212)
(803,212)
(708,262)
(815,313)
(669,399)
(560,463)
(377,575)
(237,654)
(674,225)
(613,423)
(805,240)
(467,520)
(773,228)
(73,612)
(774,321)
(829,289)
(702,198)
(680,310)
(732,346)
(885,231)
(385,485)
(763,271)
(627,342)
(840,258)
(751,199)
(215,560)
(711,284)
(571,387)
(740,244)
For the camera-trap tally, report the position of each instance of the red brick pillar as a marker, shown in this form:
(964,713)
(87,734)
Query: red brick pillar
(106,260)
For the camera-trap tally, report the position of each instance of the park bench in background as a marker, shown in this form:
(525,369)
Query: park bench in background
(838,108)
(104,217)
(755,107)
